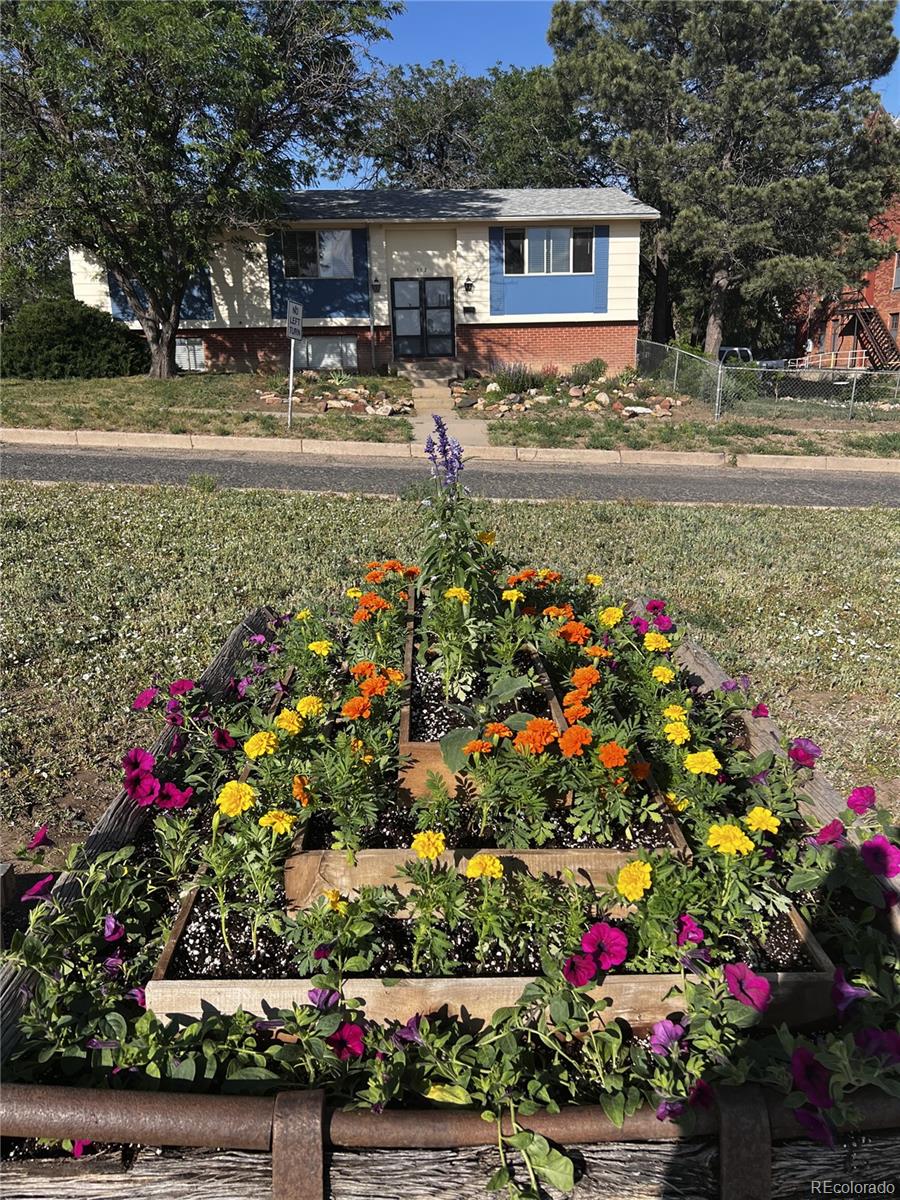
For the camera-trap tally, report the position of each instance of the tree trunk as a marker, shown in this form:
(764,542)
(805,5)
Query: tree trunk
(662,308)
(715,320)
(162,350)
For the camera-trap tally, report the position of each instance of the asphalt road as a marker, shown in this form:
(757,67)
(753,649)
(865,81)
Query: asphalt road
(497,480)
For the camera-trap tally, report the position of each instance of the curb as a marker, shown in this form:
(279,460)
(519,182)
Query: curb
(102,439)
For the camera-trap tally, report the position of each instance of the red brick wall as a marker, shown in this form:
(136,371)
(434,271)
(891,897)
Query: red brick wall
(478,346)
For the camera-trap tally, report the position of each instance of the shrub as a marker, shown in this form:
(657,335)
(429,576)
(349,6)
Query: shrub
(65,339)
(515,377)
(587,372)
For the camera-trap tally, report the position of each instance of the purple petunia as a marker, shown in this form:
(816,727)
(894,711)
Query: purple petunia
(174,715)
(759,710)
(729,685)
(173,797)
(38,837)
(113,965)
(144,699)
(666,1037)
(688,931)
(270,1026)
(407,1034)
(879,1043)
(38,890)
(843,993)
(608,945)
(880,856)
(831,834)
(113,929)
(323,998)
(256,639)
(138,995)
(242,685)
(668,1110)
(96,1043)
(750,989)
(181,687)
(222,739)
(861,800)
(579,969)
(803,753)
(815,1125)
(811,1078)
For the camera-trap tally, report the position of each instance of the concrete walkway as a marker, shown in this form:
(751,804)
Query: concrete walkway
(435,400)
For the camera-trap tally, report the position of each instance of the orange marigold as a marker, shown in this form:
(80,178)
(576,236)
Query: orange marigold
(392,564)
(477,746)
(576,712)
(361,614)
(363,669)
(298,789)
(639,770)
(403,594)
(375,685)
(357,707)
(573,741)
(537,735)
(576,696)
(597,652)
(497,729)
(373,601)
(370,565)
(394,675)
(555,611)
(412,572)
(574,632)
(613,755)
(375,576)
(585,677)
(522,577)
(549,576)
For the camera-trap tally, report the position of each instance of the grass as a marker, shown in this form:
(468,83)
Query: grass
(567,428)
(106,588)
(219,404)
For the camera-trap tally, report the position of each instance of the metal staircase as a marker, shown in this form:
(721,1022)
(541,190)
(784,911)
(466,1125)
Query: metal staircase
(872,334)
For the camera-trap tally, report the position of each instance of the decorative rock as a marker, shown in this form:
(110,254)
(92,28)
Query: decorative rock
(637,410)
(385,409)
(618,406)
(358,406)
(592,406)
(665,404)
(542,399)
(492,387)
(603,398)
(575,403)
(576,392)
(513,397)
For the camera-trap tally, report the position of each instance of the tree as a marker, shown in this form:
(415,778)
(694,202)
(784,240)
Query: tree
(142,130)
(751,125)
(436,127)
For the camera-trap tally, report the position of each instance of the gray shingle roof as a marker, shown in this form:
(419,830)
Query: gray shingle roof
(476,205)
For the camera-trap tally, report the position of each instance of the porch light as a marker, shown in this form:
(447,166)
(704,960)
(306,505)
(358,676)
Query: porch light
(376,284)
(469,285)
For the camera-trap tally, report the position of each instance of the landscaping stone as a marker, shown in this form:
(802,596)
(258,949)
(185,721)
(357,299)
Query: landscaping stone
(492,387)
(603,399)
(637,410)
(576,392)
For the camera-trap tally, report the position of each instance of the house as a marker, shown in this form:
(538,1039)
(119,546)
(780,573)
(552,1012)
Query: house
(466,278)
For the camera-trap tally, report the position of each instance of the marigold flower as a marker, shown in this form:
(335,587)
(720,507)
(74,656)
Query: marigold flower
(639,770)
(634,879)
(375,685)
(585,677)
(357,708)
(361,615)
(611,616)
(395,676)
(278,821)
(335,903)
(597,652)
(323,648)
(487,537)
(576,696)
(557,611)
(484,866)
(303,615)
(429,845)
(677,732)
(576,712)
(675,712)
(289,721)
(594,579)
(310,706)
(512,595)
(663,674)
(463,595)
(412,572)
(354,593)
(373,602)
(235,798)
(762,820)
(522,577)
(264,742)
(702,762)
(573,741)
(497,729)
(537,735)
(363,669)
(613,755)
(728,839)
(299,786)
(548,576)
(375,576)
(656,641)
(477,746)
(574,632)
(392,565)
(676,803)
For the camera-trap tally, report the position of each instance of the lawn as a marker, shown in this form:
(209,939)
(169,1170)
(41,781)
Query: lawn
(222,404)
(107,586)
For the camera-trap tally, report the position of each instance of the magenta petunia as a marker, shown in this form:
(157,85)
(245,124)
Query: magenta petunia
(803,752)
(138,761)
(173,797)
(879,1043)
(143,789)
(79,1145)
(138,995)
(322,952)
(831,834)
(668,1110)
(174,715)
(811,1078)
(815,1125)
(701,1094)
(843,993)
(608,945)
(666,1036)
(579,969)
(664,623)
(38,890)
(752,990)
(347,1041)
(181,687)
(113,929)
(688,931)
(655,606)
(880,856)
(222,739)
(759,710)
(38,837)
(144,699)
(640,624)
(861,800)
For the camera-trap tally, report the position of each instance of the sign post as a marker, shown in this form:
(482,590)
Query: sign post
(295,333)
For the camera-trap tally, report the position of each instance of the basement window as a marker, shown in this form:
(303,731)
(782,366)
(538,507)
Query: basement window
(189,354)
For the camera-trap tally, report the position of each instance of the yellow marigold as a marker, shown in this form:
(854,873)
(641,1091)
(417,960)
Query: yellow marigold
(728,839)
(235,798)
(335,903)
(663,674)
(512,595)
(310,706)
(677,732)
(264,742)
(289,721)
(594,579)
(484,866)
(322,648)
(396,677)
(429,845)
(278,821)
(762,820)
(487,537)
(358,746)
(610,616)
(675,712)
(353,593)
(702,762)
(634,879)
(303,615)
(676,803)
(458,593)
(656,641)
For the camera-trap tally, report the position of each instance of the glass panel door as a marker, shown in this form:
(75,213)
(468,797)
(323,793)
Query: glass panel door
(406,315)
(422,317)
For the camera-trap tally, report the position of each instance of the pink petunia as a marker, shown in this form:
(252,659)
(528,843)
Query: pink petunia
(831,834)
(803,752)
(815,1125)
(880,856)
(759,710)
(38,890)
(861,800)
(79,1145)
(752,990)
(144,699)
(608,945)
(347,1041)
(38,837)
(138,761)
(173,797)
(579,969)
(181,687)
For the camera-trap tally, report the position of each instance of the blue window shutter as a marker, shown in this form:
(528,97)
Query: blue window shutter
(277,293)
(119,305)
(601,268)
(196,304)
(498,296)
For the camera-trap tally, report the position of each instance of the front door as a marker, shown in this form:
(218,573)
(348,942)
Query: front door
(422,318)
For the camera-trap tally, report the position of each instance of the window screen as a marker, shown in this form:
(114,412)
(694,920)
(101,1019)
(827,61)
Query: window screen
(336,253)
(537,257)
(514,251)
(583,250)
(311,254)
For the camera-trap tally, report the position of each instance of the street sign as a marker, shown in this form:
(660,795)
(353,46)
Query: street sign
(294,319)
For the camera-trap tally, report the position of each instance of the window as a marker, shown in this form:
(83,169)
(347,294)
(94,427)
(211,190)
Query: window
(317,254)
(548,250)
(897,272)
(895,325)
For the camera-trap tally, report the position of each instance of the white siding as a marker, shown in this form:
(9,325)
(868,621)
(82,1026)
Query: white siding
(89,280)
(239,274)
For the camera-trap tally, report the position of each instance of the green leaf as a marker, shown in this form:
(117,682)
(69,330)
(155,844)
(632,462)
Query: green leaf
(613,1105)
(557,1170)
(499,1179)
(448,1093)
(451,748)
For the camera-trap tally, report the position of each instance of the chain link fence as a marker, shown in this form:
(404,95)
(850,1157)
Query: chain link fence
(753,391)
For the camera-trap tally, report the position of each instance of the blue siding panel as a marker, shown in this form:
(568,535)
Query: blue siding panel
(197,304)
(321,297)
(539,295)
